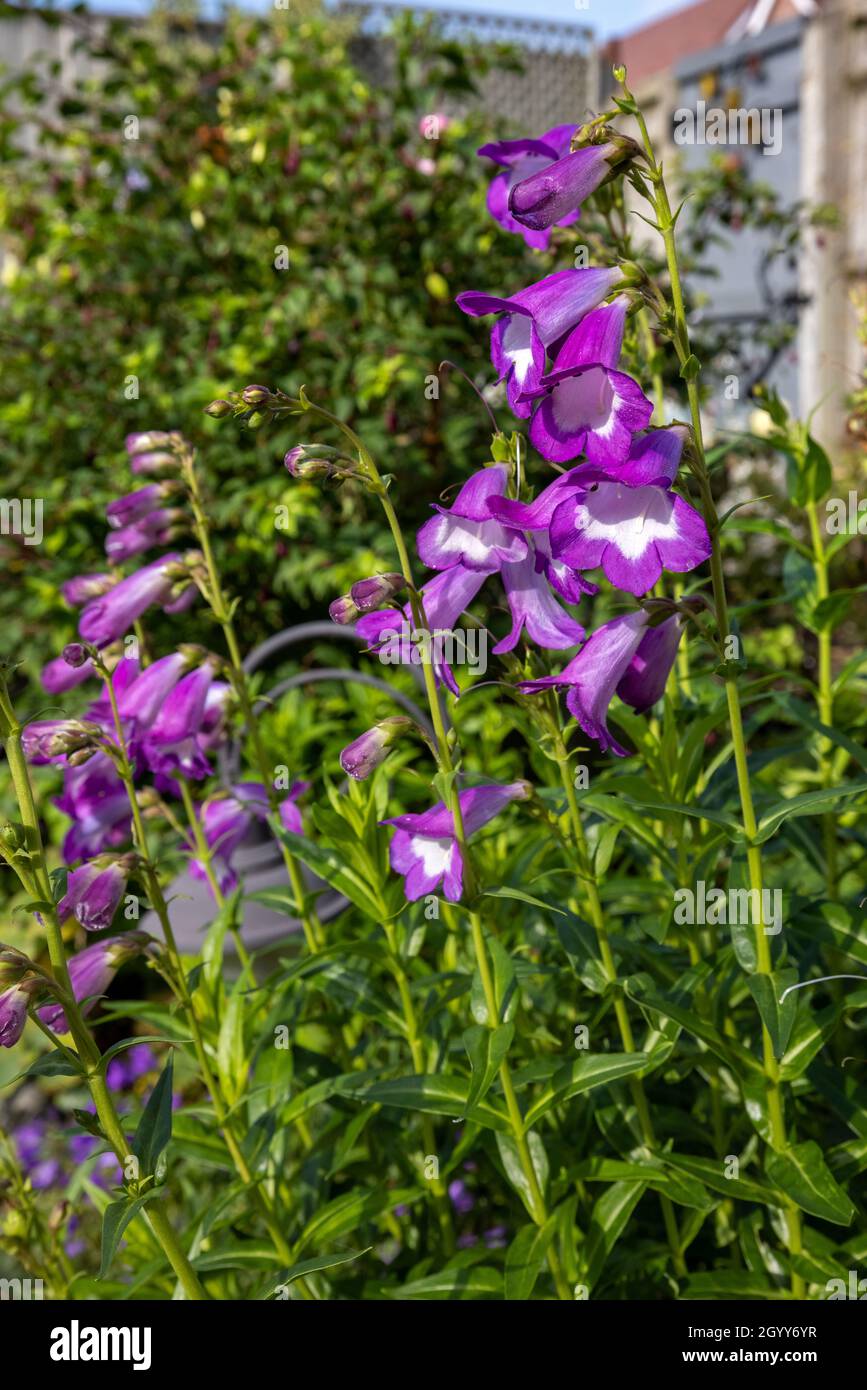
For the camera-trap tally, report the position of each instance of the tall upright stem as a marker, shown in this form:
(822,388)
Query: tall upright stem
(826,698)
(680,334)
(86,1047)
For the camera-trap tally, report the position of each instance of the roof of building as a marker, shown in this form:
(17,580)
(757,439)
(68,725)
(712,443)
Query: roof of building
(655,47)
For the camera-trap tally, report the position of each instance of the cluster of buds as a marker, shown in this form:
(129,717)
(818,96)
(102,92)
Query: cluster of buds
(154,451)
(45,740)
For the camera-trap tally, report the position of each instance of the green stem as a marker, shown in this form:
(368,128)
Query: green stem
(600,928)
(826,699)
(87,1049)
(681,339)
(237,675)
(160,906)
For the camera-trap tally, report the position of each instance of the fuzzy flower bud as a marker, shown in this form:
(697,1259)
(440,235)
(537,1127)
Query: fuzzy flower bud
(218,409)
(343,611)
(74,654)
(365,755)
(255,395)
(368,594)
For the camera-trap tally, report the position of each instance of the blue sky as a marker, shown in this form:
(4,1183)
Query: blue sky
(605,17)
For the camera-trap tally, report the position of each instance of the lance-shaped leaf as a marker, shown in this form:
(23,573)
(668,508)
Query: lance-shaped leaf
(486,1049)
(802,1174)
(155,1126)
(778,1017)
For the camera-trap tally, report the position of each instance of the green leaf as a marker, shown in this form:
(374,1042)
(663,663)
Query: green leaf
(691,368)
(486,1049)
(231,1057)
(349,1211)
(134,1042)
(331,866)
(477,1281)
(521,896)
(115,1220)
(778,1018)
(711,1173)
(731,1283)
(237,1254)
(811,1033)
(515,1173)
(801,1173)
(54,1063)
(525,1257)
(155,1126)
(437,1095)
(609,1220)
(585,1073)
(808,804)
(311,1266)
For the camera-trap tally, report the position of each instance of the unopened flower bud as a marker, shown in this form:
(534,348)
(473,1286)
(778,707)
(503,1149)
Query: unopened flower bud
(255,395)
(154,461)
(13,835)
(74,654)
(368,594)
(364,756)
(150,439)
(218,409)
(343,611)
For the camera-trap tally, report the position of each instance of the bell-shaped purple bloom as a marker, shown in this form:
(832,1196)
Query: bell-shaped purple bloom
(227,820)
(91,971)
(648,671)
(466,533)
(445,598)
(108,618)
(93,892)
(587,405)
(536,517)
(621,656)
(424,849)
(170,745)
(634,533)
(135,506)
(555,192)
(534,321)
(144,697)
(535,608)
(519,160)
(95,799)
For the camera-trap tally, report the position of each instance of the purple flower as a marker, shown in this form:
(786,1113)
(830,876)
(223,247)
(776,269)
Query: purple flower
(157,529)
(91,971)
(93,892)
(145,696)
(445,598)
(86,587)
(634,533)
(227,820)
(95,799)
(109,617)
(424,848)
(58,675)
(153,461)
(521,159)
(466,533)
(625,657)
(367,753)
(587,405)
(535,608)
(534,321)
(13,1009)
(171,744)
(461,1197)
(135,506)
(555,192)
(149,439)
(536,517)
